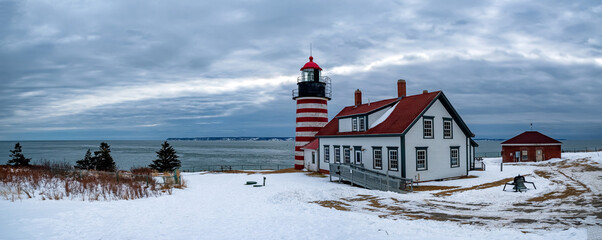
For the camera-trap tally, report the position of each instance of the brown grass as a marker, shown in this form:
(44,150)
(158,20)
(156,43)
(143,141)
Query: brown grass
(569,191)
(360,197)
(338,205)
(476,187)
(49,182)
(316,174)
(433,188)
(141,171)
(286,170)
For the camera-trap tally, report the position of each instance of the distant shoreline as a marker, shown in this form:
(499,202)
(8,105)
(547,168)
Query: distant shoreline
(233,139)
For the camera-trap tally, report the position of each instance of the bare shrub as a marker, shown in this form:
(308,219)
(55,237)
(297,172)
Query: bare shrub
(55,181)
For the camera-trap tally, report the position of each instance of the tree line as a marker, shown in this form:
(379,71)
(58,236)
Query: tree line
(167,159)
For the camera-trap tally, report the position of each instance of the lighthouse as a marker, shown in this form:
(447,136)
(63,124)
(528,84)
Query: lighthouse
(312,95)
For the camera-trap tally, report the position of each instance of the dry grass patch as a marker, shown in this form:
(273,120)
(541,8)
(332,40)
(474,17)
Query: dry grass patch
(476,187)
(432,188)
(59,181)
(360,197)
(581,164)
(286,170)
(338,205)
(568,192)
(316,174)
(544,174)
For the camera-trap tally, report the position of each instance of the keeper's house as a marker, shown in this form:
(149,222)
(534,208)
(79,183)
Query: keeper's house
(530,146)
(420,137)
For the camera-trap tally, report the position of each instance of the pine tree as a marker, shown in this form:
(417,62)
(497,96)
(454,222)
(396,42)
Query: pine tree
(167,160)
(18,159)
(102,160)
(87,163)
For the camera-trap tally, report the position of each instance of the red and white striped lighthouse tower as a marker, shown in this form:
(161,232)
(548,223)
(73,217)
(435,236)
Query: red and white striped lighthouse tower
(312,95)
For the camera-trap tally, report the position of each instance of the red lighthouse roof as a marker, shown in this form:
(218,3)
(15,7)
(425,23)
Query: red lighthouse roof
(311,64)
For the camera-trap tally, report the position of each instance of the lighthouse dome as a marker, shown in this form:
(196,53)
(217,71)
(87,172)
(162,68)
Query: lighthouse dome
(311,64)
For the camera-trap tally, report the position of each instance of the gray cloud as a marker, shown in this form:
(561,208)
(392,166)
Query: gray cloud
(126,70)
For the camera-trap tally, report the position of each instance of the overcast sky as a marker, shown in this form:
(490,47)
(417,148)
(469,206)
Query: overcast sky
(158,69)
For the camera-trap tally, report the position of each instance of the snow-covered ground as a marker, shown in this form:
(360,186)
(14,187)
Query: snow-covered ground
(565,205)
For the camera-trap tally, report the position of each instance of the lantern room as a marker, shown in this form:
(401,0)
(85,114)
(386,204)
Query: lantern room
(311,83)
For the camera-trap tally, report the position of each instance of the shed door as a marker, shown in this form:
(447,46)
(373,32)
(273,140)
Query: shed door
(517,156)
(539,155)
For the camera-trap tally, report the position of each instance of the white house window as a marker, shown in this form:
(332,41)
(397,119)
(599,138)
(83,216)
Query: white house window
(428,127)
(326,153)
(393,163)
(454,154)
(347,154)
(421,159)
(313,157)
(337,154)
(447,128)
(362,124)
(354,124)
(378,158)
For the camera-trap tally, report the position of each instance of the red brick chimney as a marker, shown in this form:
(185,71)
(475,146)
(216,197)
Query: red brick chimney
(401,88)
(358,97)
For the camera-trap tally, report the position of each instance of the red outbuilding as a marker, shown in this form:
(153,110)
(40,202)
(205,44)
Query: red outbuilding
(530,146)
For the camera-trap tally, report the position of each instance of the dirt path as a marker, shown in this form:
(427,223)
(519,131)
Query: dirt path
(573,204)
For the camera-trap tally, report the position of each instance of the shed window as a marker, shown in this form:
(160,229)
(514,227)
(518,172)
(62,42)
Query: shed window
(525,156)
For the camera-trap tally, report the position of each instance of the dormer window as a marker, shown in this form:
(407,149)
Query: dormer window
(358,123)
(362,123)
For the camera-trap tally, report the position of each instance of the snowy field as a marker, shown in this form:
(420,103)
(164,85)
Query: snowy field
(565,205)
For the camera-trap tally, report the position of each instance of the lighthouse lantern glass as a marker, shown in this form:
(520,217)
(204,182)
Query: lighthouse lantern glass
(307,75)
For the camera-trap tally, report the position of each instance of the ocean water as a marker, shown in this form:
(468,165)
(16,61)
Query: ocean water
(193,154)
(199,154)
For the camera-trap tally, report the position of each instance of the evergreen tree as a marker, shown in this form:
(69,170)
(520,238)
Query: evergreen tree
(18,159)
(167,160)
(102,160)
(87,163)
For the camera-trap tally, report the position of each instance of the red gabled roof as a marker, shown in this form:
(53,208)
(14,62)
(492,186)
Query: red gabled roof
(531,137)
(404,114)
(365,108)
(312,145)
(311,64)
